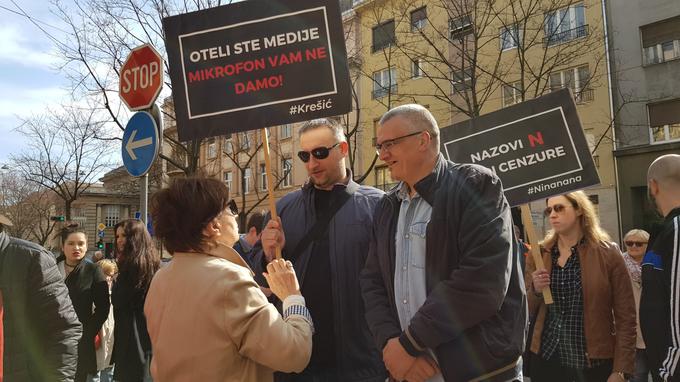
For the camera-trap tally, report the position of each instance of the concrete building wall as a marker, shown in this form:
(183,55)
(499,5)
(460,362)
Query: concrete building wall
(636,85)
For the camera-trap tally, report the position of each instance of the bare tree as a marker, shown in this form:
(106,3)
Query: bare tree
(242,151)
(101,35)
(64,154)
(469,50)
(28,206)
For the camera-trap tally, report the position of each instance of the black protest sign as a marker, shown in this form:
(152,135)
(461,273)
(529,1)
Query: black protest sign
(256,63)
(537,148)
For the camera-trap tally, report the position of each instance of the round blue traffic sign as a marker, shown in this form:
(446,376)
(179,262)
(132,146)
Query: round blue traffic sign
(140,143)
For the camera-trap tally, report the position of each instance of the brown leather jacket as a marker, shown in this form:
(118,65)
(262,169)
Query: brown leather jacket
(609,306)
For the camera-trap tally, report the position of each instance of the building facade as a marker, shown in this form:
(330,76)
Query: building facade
(645,60)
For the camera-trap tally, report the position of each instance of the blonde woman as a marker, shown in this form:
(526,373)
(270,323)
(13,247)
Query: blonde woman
(636,245)
(105,344)
(588,333)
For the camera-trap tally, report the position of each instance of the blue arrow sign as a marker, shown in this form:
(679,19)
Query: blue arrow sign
(140,143)
(149,226)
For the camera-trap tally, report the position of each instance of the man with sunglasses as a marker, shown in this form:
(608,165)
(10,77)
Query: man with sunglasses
(324,230)
(660,300)
(442,288)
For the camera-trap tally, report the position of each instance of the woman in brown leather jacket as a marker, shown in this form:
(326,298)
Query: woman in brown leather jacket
(588,333)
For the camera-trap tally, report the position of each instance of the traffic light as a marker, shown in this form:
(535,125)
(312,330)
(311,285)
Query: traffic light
(59,218)
(100,244)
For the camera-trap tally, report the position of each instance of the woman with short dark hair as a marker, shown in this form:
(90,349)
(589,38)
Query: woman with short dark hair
(207,318)
(138,261)
(89,294)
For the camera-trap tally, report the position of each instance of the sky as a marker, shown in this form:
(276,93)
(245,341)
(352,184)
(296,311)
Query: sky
(29,79)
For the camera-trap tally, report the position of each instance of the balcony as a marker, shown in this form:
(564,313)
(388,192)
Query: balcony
(565,36)
(383,91)
(584,96)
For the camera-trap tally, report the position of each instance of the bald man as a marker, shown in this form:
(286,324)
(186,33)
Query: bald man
(660,300)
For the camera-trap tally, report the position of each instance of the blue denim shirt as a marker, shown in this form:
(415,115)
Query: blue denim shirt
(409,271)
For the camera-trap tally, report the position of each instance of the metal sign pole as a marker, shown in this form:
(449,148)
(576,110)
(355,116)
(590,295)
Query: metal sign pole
(144,197)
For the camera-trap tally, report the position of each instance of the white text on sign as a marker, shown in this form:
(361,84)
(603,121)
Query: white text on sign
(142,77)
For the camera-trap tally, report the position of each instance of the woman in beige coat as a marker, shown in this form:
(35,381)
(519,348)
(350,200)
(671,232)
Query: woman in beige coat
(206,316)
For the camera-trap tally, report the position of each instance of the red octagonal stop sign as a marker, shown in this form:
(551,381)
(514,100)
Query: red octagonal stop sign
(141,77)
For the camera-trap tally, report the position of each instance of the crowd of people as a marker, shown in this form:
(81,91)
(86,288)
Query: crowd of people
(427,282)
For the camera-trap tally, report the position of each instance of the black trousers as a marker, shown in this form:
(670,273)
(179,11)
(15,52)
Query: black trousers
(551,371)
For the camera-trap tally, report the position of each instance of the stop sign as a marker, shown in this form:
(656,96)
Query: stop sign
(141,77)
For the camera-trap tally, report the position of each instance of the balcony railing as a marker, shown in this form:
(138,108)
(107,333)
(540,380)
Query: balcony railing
(584,96)
(383,91)
(568,35)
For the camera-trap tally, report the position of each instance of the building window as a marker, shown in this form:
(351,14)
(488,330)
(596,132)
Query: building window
(512,93)
(244,141)
(565,24)
(661,41)
(384,82)
(383,180)
(383,36)
(664,121)
(286,131)
(417,68)
(111,215)
(287,167)
(461,80)
(418,19)
(577,79)
(227,181)
(228,145)
(263,177)
(212,148)
(460,27)
(510,36)
(247,175)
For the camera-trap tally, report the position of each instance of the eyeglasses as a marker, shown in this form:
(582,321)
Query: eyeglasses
(557,208)
(387,145)
(635,243)
(318,153)
(233,208)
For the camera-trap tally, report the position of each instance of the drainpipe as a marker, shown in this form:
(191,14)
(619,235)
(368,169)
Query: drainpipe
(611,116)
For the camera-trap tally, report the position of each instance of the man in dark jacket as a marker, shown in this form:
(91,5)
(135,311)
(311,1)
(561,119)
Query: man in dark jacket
(332,216)
(441,282)
(246,242)
(40,327)
(660,301)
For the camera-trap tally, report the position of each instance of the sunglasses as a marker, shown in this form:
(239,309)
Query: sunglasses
(557,208)
(233,208)
(635,243)
(318,153)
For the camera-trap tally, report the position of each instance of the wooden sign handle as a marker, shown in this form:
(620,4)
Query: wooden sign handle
(535,250)
(270,180)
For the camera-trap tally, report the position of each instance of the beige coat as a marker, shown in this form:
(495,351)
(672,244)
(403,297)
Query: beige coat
(209,321)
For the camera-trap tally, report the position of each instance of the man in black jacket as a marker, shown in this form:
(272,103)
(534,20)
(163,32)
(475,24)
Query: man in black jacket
(660,301)
(441,283)
(40,327)
(323,229)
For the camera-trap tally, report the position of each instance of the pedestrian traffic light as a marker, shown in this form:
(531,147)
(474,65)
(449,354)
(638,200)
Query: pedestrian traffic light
(59,218)
(100,244)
